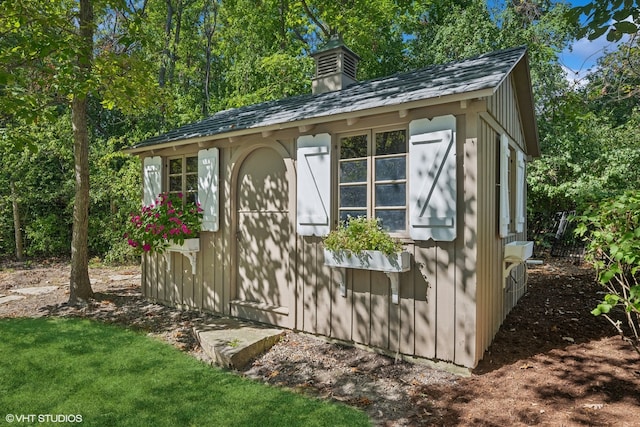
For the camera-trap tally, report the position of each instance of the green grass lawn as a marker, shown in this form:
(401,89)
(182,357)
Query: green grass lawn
(115,377)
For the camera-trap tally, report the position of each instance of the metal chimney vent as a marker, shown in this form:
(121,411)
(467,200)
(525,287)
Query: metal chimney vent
(336,67)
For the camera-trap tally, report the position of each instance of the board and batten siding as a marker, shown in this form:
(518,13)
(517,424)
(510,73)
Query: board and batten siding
(504,108)
(435,316)
(425,323)
(495,297)
(205,290)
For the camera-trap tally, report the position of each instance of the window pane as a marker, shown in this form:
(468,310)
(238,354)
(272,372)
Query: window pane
(192,182)
(175,183)
(353,171)
(393,142)
(192,164)
(391,169)
(353,196)
(191,197)
(392,220)
(175,166)
(344,215)
(391,194)
(353,147)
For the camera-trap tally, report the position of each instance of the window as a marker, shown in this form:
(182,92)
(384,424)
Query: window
(183,177)
(373,177)
(510,180)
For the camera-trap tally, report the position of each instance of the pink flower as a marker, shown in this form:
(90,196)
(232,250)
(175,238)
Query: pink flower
(153,225)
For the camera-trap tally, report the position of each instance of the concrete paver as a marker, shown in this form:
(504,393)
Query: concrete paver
(232,343)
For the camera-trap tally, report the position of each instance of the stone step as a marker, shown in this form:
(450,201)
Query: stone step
(233,343)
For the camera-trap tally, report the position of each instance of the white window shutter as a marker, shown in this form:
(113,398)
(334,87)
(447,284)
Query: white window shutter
(314,184)
(504,186)
(432,179)
(208,188)
(520,192)
(152,180)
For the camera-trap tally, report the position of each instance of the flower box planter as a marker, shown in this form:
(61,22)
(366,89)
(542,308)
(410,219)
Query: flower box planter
(391,265)
(368,260)
(189,248)
(520,250)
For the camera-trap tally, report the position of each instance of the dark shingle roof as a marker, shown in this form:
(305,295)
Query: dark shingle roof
(470,75)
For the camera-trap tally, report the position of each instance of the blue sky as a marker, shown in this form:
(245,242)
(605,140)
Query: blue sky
(584,53)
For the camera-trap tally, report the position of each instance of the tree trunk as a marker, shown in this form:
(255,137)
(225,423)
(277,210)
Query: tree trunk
(16,223)
(162,75)
(173,57)
(80,286)
(210,25)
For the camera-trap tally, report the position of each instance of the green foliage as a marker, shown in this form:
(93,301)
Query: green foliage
(361,234)
(589,140)
(449,31)
(48,234)
(612,230)
(111,376)
(615,18)
(613,89)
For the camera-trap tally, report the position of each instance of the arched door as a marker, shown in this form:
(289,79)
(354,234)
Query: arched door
(264,241)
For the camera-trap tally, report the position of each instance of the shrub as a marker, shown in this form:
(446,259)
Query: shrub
(612,231)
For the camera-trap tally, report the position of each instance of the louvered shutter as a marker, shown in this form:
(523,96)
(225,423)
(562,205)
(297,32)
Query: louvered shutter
(314,184)
(505,156)
(432,179)
(208,188)
(152,180)
(520,192)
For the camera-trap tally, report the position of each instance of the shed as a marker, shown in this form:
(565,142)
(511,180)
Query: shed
(438,154)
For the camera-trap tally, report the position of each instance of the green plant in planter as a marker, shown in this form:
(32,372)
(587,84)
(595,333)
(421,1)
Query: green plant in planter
(361,234)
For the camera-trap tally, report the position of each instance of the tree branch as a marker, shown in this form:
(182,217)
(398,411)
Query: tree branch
(325,31)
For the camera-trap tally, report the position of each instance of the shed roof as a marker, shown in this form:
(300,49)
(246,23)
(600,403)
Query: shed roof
(466,79)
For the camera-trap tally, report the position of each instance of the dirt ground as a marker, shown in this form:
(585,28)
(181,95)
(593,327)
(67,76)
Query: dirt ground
(552,363)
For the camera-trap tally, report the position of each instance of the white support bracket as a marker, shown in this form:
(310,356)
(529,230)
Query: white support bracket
(394,278)
(190,255)
(189,249)
(508,265)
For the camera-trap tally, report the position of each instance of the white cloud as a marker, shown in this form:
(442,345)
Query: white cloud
(582,56)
